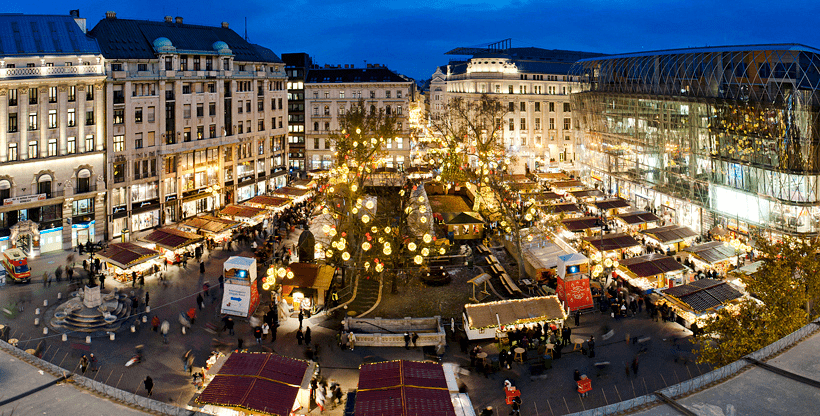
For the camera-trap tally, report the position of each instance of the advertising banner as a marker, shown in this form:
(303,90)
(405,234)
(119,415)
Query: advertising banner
(237,300)
(561,291)
(578,294)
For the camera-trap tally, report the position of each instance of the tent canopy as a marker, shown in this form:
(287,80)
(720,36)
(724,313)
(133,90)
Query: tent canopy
(210,224)
(581,224)
(308,275)
(567,184)
(559,208)
(712,252)
(638,217)
(612,204)
(127,255)
(171,238)
(403,388)
(670,233)
(463,218)
(651,265)
(609,242)
(517,311)
(267,202)
(243,211)
(290,192)
(586,193)
(704,294)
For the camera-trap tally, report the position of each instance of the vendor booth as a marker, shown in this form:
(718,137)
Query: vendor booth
(573,282)
(612,206)
(296,194)
(582,224)
(243,213)
(670,237)
(270,203)
(218,229)
(615,243)
(715,255)
(464,226)
(493,319)
(259,383)
(172,243)
(308,287)
(652,271)
(699,299)
(568,208)
(540,258)
(241,296)
(125,259)
(568,186)
(584,195)
(637,219)
(409,388)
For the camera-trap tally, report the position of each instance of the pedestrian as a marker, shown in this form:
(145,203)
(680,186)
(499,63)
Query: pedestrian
(192,315)
(414,337)
(488,411)
(591,345)
(142,280)
(221,282)
(149,385)
(265,329)
(164,330)
(406,340)
(576,376)
(229,325)
(351,340)
(185,360)
(147,297)
(155,323)
(320,398)
(133,278)
(257,333)
(239,344)
(299,336)
(307,336)
(337,394)
(83,363)
(635,366)
(577,318)
(93,362)
(516,406)
(102,282)
(301,317)
(200,301)
(45,279)
(201,267)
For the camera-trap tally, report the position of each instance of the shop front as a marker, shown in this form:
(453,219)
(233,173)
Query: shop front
(492,320)
(307,289)
(52,239)
(245,192)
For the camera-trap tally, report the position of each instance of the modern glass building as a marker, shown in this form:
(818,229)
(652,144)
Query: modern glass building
(711,136)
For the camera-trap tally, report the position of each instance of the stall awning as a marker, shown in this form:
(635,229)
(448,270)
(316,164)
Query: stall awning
(581,224)
(712,252)
(210,224)
(402,388)
(242,211)
(291,193)
(464,218)
(587,193)
(638,217)
(567,184)
(670,233)
(267,202)
(308,275)
(545,196)
(651,265)
(559,208)
(609,242)
(552,176)
(611,204)
(260,382)
(171,238)
(523,187)
(704,294)
(518,311)
(126,255)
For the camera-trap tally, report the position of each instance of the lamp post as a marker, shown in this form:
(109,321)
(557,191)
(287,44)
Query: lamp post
(92,248)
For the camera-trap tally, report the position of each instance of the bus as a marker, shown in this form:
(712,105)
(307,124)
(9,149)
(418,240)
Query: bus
(16,265)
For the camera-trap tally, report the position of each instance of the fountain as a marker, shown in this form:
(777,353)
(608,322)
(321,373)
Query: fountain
(91,309)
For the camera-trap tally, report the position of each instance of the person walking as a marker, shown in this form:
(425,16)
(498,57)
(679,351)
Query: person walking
(83,364)
(188,354)
(414,338)
(591,344)
(299,336)
(164,330)
(155,323)
(577,318)
(351,340)
(265,330)
(200,302)
(257,333)
(93,362)
(149,385)
(635,366)
(407,340)
(301,317)
(320,398)
(229,325)
(516,406)
(307,336)
(147,297)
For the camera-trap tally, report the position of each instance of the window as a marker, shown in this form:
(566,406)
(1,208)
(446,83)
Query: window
(226,64)
(387,94)
(537,123)
(512,124)
(12,97)
(12,122)
(212,131)
(32,121)
(196,63)
(71,120)
(119,172)
(89,118)
(512,106)
(13,155)
(186,134)
(186,111)
(327,126)
(552,107)
(211,87)
(567,123)
(200,110)
(150,115)
(209,64)
(239,129)
(32,96)
(211,109)
(510,89)
(52,94)
(398,93)
(260,125)
(552,123)
(280,122)
(52,147)
(119,116)
(71,145)
(186,88)
(183,65)
(89,92)
(399,143)
(142,67)
(341,94)
(44,185)
(52,119)
(523,106)
(327,144)
(138,115)
(566,108)
(119,143)
(399,126)
(315,126)
(537,106)
(89,143)
(138,141)
(398,110)
(566,137)
(33,149)
(523,124)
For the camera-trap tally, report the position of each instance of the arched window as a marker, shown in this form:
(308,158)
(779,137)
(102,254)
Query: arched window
(315,126)
(327,110)
(372,109)
(5,190)
(44,185)
(83,181)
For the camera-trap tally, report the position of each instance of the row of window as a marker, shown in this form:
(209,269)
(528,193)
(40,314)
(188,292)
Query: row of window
(34,95)
(326,110)
(358,94)
(34,123)
(51,148)
(537,106)
(399,126)
(523,124)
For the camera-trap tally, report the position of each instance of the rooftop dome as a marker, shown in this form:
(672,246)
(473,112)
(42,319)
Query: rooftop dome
(221,46)
(163,44)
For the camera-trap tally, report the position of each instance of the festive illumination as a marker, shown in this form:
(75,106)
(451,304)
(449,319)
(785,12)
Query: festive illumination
(411,246)
(345,256)
(418,259)
(366,246)
(379,267)
(427,238)
(425,251)
(365,218)
(369,204)
(608,262)
(441,251)
(281,272)
(325,228)
(387,250)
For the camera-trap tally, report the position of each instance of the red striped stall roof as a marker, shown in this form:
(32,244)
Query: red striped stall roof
(403,388)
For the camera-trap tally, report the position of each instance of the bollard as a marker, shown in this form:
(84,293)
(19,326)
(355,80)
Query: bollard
(147,309)
(45,330)
(144,319)
(36,321)
(111,336)
(45,302)
(37,311)
(133,328)
(183,330)
(88,339)
(65,337)
(59,295)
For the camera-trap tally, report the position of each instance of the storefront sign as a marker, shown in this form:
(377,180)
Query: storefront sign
(238,299)
(119,209)
(170,197)
(24,199)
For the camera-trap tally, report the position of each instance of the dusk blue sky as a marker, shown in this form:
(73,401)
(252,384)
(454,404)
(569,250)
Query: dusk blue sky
(411,37)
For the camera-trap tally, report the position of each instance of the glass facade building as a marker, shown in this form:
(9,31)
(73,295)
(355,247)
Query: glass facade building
(712,136)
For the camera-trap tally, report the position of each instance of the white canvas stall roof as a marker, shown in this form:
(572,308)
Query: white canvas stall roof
(237,262)
(543,255)
(515,311)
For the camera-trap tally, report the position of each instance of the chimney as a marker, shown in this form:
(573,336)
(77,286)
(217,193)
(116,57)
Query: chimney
(370,65)
(224,25)
(77,19)
(110,15)
(346,66)
(327,66)
(169,19)
(178,20)
(74,13)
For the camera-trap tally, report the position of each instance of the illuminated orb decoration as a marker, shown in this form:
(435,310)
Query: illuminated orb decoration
(354,187)
(358,131)
(421,199)
(330,189)
(290,274)
(332,232)
(341,244)
(608,262)
(318,247)
(354,210)
(329,253)
(281,272)
(425,251)
(529,237)
(427,238)
(387,229)
(422,209)
(365,218)
(270,271)
(345,256)
(366,246)
(423,220)
(379,267)
(387,250)
(411,246)
(615,264)
(265,286)
(326,228)
(324,211)
(599,268)
(369,204)
(355,144)
(441,251)
(528,217)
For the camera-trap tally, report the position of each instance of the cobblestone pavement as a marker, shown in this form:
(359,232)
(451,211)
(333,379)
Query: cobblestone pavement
(552,394)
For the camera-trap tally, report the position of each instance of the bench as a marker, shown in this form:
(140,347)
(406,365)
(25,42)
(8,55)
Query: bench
(508,283)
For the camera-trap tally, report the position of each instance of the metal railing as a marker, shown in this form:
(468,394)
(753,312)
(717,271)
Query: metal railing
(41,71)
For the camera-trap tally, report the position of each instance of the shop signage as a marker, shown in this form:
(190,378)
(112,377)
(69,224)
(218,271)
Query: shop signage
(120,209)
(170,198)
(24,199)
(236,300)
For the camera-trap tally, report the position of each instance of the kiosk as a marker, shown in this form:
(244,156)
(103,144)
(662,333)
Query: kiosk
(241,295)
(573,282)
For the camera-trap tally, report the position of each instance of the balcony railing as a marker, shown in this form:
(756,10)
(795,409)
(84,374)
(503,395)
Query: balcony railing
(44,71)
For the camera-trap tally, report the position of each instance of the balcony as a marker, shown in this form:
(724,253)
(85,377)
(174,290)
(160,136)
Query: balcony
(46,71)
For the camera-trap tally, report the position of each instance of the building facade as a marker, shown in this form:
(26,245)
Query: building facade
(297,66)
(52,146)
(534,84)
(329,92)
(710,136)
(196,120)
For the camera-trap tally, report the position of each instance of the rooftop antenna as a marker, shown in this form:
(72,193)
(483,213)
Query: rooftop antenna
(246,28)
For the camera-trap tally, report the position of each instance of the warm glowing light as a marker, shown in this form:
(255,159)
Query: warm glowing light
(427,238)
(366,246)
(281,272)
(345,256)
(425,251)
(369,204)
(418,259)
(379,267)
(387,250)
(411,246)
(365,218)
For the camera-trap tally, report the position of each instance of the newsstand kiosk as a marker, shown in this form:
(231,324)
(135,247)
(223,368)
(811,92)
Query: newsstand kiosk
(241,296)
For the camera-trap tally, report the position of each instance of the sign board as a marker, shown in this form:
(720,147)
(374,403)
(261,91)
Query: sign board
(236,300)
(575,293)
(24,199)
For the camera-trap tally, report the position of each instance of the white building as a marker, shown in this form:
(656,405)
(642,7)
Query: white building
(52,147)
(533,85)
(196,120)
(329,92)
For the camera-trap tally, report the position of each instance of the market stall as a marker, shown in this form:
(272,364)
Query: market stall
(586,195)
(244,214)
(670,237)
(612,206)
(308,287)
(296,194)
(261,383)
(714,255)
(582,224)
(573,282)
(571,185)
(241,296)
(614,243)
(270,203)
(408,388)
(566,209)
(464,226)
(697,300)
(652,271)
(636,220)
(493,319)
(125,259)
(217,229)
(172,243)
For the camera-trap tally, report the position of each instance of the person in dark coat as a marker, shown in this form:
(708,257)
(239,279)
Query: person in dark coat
(299,336)
(229,325)
(147,297)
(301,317)
(202,267)
(149,385)
(307,336)
(407,340)
(577,318)
(83,363)
(200,301)
(257,333)
(576,376)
